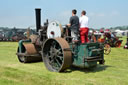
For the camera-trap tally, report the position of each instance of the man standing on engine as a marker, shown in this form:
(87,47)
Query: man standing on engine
(83,27)
(74,25)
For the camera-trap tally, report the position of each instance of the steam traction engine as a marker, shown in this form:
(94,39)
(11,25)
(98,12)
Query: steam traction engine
(53,44)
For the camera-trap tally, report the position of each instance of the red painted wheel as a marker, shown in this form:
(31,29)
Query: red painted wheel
(118,44)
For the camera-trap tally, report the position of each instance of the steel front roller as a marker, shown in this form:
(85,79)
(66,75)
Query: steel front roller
(27,53)
(57,54)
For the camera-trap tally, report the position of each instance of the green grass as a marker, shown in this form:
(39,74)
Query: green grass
(12,72)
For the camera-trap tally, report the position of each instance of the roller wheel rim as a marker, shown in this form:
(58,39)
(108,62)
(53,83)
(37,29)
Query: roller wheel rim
(22,59)
(54,56)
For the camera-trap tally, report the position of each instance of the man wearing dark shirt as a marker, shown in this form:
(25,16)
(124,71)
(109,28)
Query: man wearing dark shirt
(74,25)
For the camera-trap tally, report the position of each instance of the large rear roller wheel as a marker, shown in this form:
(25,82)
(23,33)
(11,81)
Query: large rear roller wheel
(57,54)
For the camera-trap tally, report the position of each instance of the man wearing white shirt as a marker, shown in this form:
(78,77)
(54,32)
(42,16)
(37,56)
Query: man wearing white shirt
(83,27)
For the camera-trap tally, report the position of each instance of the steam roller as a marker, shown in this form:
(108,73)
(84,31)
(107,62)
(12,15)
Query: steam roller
(54,46)
(28,50)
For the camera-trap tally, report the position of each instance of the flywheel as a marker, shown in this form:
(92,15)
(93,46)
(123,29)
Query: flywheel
(57,55)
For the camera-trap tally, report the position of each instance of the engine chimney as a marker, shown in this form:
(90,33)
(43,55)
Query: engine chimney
(38,19)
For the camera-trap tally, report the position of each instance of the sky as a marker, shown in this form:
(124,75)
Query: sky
(101,13)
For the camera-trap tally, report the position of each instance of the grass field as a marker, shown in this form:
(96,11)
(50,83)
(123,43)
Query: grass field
(12,72)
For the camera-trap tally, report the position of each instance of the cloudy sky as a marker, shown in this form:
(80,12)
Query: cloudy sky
(101,13)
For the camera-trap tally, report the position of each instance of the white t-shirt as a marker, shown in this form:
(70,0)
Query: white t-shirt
(83,21)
